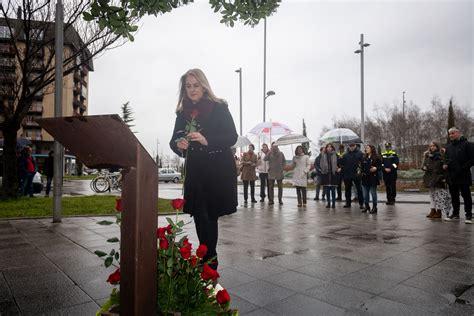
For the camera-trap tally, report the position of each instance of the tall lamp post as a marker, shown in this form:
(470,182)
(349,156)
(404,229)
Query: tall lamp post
(268,94)
(361,52)
(239,71)
(403,106)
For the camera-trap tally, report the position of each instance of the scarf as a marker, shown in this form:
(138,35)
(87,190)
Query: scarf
(328,163)
(199,110)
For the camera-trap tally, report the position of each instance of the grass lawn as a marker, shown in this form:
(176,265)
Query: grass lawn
(71,206)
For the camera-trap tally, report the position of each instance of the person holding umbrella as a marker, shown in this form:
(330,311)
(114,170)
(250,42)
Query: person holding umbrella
(276,164)
(248,176)
(350,163)
(330,173)
(300,166)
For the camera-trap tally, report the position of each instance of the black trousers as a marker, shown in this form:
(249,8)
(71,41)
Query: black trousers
(390,180)
(207,231)
(271,185)
(301,193)
(263,184)
(348,190)
(339,189)
(454,190)
(246,190)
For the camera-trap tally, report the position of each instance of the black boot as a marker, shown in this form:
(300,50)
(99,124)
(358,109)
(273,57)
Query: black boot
(328,206)
(373,210)
(366,209)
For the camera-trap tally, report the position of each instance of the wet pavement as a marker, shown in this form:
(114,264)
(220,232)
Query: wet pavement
(277,260)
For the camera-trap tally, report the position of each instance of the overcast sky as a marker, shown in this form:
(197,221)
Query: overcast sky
(422,47)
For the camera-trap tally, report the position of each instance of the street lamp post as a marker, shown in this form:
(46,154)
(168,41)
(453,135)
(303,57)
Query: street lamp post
(240,93)
(264,65)
(403,106)
(268,94)
(361,52)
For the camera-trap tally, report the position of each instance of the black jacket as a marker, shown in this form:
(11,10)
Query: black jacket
(48,167)
(350,161)
(390,160)
(460,158)
(370,178)
(435,176)
(210,177)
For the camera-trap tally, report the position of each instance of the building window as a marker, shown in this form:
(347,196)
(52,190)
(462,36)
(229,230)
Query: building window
(5,32)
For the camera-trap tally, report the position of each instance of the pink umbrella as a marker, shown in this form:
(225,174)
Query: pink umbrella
(270,128)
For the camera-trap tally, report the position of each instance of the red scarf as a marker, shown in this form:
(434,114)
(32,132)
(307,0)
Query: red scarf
(199,110)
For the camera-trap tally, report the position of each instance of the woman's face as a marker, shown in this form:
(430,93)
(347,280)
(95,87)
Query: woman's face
(265,148)
(299,150)
(251,149)
(368,150)
(433,147)
(329,149)
(194,90)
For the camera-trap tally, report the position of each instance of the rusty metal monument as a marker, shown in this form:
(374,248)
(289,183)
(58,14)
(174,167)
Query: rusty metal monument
(105,141)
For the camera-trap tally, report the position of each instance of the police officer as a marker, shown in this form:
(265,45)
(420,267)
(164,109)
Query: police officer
(390,163)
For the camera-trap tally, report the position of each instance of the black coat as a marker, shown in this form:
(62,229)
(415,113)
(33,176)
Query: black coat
(211,179)
(435,176)
(48,167)
(350,162)
(460,157)
(370,178)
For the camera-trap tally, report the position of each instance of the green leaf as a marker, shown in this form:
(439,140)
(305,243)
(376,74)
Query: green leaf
(170,263)
(100,253)
(115,239)
(87,16)
(117,256)
(104,223)
(108,261)
(112,252)
(169,271)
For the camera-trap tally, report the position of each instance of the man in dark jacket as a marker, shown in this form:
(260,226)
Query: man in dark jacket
(48,171)
(317,175)
(350,162)
(460,158)
(390,163)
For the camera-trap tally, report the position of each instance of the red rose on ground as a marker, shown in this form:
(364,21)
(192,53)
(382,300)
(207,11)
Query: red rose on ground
(185,252)
(169,229)
(160,232)
(194,260)
(118,205)
(208,273)
(222,297)
(114,278)
(164,244)
(177,204)
(201,251)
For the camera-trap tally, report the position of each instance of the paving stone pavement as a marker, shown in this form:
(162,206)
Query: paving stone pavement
(277,260)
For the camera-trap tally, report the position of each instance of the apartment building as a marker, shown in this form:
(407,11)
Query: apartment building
(75,85)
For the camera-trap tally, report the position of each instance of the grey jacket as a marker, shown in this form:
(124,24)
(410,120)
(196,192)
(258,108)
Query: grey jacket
(276,162)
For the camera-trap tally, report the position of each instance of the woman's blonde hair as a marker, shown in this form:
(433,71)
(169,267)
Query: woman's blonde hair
(202,79)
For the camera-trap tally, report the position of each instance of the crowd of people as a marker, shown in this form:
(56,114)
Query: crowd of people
(447,175)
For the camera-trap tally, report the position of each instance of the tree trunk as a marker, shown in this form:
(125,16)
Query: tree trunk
(10,174)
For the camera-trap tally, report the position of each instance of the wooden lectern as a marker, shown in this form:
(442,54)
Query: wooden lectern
(105,141)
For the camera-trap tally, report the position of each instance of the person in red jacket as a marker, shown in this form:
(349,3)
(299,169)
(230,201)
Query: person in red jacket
(27,169)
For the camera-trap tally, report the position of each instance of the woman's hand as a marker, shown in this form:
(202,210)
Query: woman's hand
(373,169)
(198,137)
(183,144)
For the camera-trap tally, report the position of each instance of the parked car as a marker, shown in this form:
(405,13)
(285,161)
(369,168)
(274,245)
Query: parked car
(168,174)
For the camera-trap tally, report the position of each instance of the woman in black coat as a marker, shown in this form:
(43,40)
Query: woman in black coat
(370,167)
(204,132)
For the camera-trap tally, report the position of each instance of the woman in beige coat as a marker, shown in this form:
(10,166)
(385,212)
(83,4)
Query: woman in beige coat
(248,176)
(301,167)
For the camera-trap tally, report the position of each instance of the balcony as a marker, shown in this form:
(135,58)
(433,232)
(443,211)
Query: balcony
(30,123)
(7,49)
(7,63)
(7,77)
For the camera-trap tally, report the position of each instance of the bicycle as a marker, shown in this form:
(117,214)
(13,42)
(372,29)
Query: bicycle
(106,181)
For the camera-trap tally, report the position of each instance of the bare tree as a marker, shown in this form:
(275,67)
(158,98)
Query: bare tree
(27,29)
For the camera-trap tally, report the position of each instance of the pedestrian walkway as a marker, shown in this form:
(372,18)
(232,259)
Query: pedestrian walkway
(279,260)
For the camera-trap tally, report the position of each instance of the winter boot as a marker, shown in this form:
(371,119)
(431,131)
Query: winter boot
(373,210)
(437,214)
(432,213)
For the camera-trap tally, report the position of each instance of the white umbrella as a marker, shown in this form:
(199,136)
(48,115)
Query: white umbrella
(292,139)
(242,141)
(341,135)
(270,128)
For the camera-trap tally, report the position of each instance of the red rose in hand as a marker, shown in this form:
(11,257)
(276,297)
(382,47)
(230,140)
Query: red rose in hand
(164,244)
(185,252)
(118,205)
(169,229)
(114,278)
(209,274)
(186,242)
(160,232)
(201,251)
(194,113)
(222,297)
(194,260)
(178,203)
